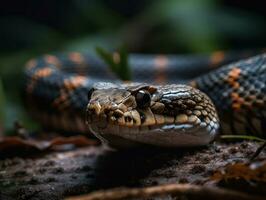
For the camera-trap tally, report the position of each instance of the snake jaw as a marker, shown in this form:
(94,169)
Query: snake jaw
(183,117)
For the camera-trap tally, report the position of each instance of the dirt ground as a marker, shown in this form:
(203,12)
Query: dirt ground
(56,175)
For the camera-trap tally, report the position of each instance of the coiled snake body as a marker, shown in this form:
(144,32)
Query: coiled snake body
(67,92)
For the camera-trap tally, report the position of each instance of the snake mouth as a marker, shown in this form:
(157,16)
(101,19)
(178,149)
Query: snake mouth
(167,135)
(153,115)
(143,126)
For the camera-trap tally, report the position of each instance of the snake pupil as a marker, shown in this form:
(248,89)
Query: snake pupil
(143,99)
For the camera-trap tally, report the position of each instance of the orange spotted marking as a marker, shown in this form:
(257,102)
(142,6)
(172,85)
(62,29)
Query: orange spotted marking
(236,106)
(62,101)
(44,72)
(236,85)
(216,58)
(232,80)
(76,57)
(74,82)
(53,60)
(236,101)
(235,72)
(160,63)
(40,73)
(69,85)
(233,77)
(62,98)
(31,63)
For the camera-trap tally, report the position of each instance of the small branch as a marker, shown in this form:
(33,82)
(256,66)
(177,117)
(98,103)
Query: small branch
(243,137)
(258,151)
(190,191)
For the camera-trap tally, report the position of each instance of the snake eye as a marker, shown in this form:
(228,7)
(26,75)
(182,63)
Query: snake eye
(143,99)
(90,93)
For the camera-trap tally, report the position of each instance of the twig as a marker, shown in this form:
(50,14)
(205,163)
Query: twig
(190,191)
(258,151)
(243,137)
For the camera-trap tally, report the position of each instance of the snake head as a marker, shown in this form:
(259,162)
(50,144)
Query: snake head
(169,115)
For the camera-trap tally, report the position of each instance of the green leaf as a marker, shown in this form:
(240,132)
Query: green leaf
(124,69)
(118,62)
(2,106)
(107,57)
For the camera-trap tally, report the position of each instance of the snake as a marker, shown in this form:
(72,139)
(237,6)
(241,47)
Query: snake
(173,100)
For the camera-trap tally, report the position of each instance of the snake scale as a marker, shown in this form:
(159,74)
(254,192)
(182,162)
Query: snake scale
(223,93)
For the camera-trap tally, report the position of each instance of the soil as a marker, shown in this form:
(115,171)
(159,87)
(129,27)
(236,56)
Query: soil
(57,175)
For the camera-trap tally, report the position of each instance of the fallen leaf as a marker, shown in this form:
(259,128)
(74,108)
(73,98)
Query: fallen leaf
(17,146)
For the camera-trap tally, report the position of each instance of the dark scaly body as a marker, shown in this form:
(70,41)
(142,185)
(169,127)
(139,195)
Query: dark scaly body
(239,93)
(56,87)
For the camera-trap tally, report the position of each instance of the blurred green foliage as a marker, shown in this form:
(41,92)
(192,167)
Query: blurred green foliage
(31,28)
(2,104)
(117,61)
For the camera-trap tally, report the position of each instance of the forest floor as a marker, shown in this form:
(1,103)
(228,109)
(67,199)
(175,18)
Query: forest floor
(61,173)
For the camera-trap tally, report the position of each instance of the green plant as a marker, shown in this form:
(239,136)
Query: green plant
(117,61)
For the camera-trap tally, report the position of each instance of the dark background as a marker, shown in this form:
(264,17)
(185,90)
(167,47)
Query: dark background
(30,28)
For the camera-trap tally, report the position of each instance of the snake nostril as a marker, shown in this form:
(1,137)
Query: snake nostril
(89,114)
(128,118)
(142,117)
(118,113)
(91,111)
(107,111)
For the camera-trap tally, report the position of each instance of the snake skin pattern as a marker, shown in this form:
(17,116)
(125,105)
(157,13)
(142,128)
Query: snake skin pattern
(57,86)
(239,93)
(164,115)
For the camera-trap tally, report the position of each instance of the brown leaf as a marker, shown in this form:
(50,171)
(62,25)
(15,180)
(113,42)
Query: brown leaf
(168,190)
(16,146)
(248,172)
